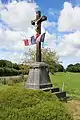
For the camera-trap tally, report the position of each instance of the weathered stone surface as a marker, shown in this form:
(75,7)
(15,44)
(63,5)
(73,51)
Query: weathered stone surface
(56,89)
(38,77)
(61,94)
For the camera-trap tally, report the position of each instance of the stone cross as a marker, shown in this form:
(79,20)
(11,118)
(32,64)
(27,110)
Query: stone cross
(37,23)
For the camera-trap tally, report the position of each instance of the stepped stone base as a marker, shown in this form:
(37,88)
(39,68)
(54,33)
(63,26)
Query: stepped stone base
(57,92)
(61,94)
(38,77)
(51,89)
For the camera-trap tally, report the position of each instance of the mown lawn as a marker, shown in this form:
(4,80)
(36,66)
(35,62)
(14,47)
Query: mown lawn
(71,83)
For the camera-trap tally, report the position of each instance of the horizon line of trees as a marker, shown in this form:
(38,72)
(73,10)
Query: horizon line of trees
(73,68)
(7,68)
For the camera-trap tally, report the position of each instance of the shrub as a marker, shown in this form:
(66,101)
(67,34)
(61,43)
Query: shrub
(4,81)
(18,103)
(5,71)
(1,71)
(10,82)
(13,80)
(48,111)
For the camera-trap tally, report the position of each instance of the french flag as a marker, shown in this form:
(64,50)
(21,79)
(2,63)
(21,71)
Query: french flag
(34,39)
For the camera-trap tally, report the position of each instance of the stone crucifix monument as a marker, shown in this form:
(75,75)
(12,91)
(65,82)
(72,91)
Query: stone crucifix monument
(38,77)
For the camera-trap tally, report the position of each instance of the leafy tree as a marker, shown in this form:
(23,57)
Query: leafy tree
(73,68)
(60,68)
(48,56)
(7,68)
(1,71)
(16,66)
(24,68)
(5,63)
(2,63)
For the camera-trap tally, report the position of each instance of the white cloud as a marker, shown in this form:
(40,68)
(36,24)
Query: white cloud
(13,40)
(14,57)
(19,14)
(70,45)
(51,40)
(69,19)
(47,24)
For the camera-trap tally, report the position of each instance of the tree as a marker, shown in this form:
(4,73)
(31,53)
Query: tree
(7,68)
(16,66)
(73,68)
(48,56)
(24,68)
(60,68)
(5,63)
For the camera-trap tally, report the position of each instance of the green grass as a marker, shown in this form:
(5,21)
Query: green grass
(71,82)
(19,103)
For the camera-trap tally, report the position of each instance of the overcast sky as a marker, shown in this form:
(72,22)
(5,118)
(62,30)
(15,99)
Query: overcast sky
(62,28)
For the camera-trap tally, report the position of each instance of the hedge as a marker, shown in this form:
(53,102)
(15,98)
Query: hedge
(13,80)
(5,71)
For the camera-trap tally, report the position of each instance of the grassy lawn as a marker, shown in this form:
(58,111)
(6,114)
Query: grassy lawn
(71,83)
(72,87)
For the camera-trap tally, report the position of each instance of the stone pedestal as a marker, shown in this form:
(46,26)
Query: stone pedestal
(38,77)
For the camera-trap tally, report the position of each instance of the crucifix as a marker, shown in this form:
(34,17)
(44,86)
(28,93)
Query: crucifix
(37,23)
(38,77)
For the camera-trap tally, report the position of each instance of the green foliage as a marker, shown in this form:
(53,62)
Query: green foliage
(60,68)
(73,68)
(5,71)
(1,71)
(3,81)
(49,111)
(49,57)
(8,68)
(17,103)
(5,63)
(13,80)
(24,69)
(16,66)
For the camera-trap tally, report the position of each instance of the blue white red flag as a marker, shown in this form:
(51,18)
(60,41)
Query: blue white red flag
(34,39)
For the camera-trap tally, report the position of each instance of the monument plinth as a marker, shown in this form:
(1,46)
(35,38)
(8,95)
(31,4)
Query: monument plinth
(38,77)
